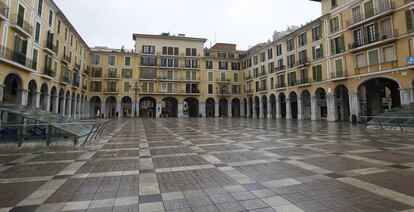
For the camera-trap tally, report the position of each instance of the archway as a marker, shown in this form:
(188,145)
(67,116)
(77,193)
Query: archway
(191,107)
(13,87)
(126,105)
(61,102)
(320,104)
(245,107)
(293,98)
(147,107)
(272,100)
(210,107)
(282,102)
(264,106)
(235,107)
(44,97)
(53,100)
(342,103)
(378,95)
(169,107)
(31,98)
(110,107)
(251,107)
(95,107)
(257,106)
(306,105)
(223,107)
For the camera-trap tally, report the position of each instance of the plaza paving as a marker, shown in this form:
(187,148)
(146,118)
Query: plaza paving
(216,165)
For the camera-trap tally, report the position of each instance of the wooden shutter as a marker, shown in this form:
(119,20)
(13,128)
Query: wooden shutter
(409,21)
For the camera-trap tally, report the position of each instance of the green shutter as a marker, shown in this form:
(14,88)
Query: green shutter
(409,19)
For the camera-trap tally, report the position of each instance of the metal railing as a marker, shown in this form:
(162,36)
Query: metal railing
(49,72)
(390,121)
(19,21)
(377,37)
(377,9)
(15,56)
(4,9)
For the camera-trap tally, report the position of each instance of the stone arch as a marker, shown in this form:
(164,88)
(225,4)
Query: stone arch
(169,107)
(210,107)
(32,95)
(95,107)
(147,107)
(235,107)
(293,101)
(13,89)
(282,105)
(126,107)
(342,108)
(305,105)
(191,107)
(272,100)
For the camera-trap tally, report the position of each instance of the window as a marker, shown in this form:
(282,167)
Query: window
(304,76)
(221,55)
(409,19)
(112,73)
(339,68)
(333,3)
(50,18)
(146,49)
(111,60)
(371,32)
(210,88)
(262,57)
(37,33)
(292,79)
(35,55)
(316,33)
(127,61)
(235,66)
(302,39)
(389,54)
(231,56)
(169,62)
(280,64)
(337,45)
(191,63)
(127,73)
(303,57)
(191,52)
(373,57)
(356,14)
(96,59)
(255,60)
(58,27)
(279,50)
(386,29)
(270,53)
(317,73)
(360,60)
(170,50)
(235,89)
(357,38)
(96,86)
(290,45)
(148,61)
(369,8)
(317,52)
(334,24)
(223,65)
(236,77)
(271,67)
(40,7)
(291,61)
(209,64)
(126,87)
(97,72)
(210,76)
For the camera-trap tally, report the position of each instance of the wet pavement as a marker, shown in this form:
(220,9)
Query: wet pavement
(216,165)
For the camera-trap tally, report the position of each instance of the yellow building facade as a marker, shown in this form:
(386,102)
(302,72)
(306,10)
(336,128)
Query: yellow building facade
(355,60)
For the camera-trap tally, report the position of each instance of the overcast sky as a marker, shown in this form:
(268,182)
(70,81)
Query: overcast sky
(244,22)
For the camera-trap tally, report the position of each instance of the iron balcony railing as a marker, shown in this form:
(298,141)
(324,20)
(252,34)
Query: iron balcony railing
(219,80)
(65,78)
(303,81)
(15,56)
(377,37)
(338,74)
(4,10)
(49,45)
(280,85)
(302,62)
(66,58)
(378,8)
(49,71)
(20,22)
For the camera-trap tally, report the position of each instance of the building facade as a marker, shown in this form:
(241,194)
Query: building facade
(355,60)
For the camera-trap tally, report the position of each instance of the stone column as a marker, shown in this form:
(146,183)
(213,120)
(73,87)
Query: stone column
(1,92)
(79,109)
(62,106)
(314,108)
(158,110)
(69,102)
(119,109)
(269,109)
(248,110)
(47,99)
(254,110)
(55,100)
(217,110)
(229,110)
(300,109)
(242,111)
(202,109)
(74,108)
(262,112)
(288,109)
(180,109)
(25,97)
(406,96)
(278,110)
(37,100)
(354,106)
(103,110)
(332,110)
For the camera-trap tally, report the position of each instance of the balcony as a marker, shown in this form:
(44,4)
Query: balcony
(223,81)
(262,74)
(50,72)
(338,75)
(169,91)
(280,69)
(197,79)
(84,87)
(380,9)
(249,91)
(75,83)
(50,48)
(66,59)
(148,77)
(248,78)
(302,62)
(111,90)
(292,83)
(303,82)
(192,92)
(86,70)
(371,41)
(281,85)
(4,11)
(65,79)
(262,89)
(166,78)
(10,55)
(21,26)
(96,89)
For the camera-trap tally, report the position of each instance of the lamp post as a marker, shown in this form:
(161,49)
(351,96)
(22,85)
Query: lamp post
(222,92)
(136,90)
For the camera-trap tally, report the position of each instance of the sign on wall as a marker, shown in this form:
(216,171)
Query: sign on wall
(410,60)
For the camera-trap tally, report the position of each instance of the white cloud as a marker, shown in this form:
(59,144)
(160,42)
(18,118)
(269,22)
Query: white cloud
(244,22)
